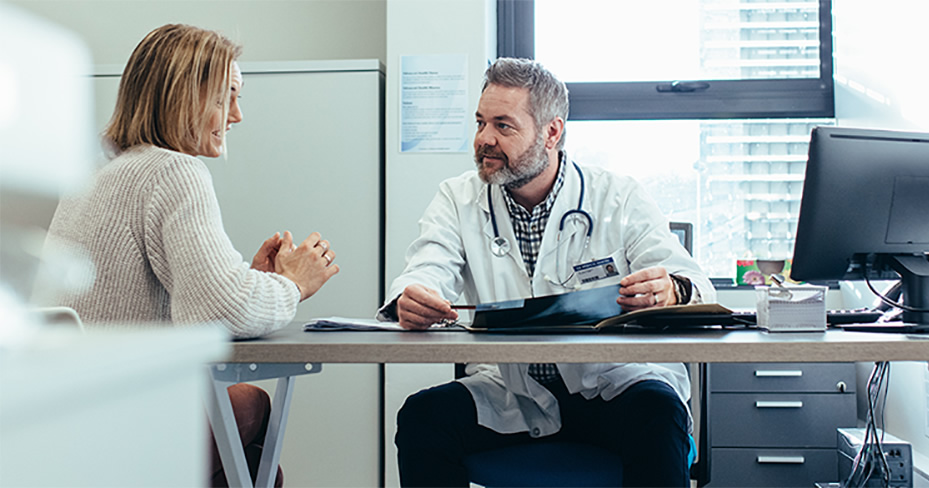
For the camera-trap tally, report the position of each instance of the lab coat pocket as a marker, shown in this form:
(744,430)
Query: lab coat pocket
(571,249)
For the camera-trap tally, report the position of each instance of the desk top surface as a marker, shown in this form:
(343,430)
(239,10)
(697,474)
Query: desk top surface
(293,345)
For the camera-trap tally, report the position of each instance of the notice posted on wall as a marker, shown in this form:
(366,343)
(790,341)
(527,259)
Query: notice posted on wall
(434,103)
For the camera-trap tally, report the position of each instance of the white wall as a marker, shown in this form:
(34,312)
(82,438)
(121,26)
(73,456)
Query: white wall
(879,54)
(423,27)
(278,30)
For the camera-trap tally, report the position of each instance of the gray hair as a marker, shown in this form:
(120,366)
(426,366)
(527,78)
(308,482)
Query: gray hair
(548,96)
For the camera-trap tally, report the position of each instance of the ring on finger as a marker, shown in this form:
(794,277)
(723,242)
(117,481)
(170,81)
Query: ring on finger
(328,259)
(323,245)
(654,299)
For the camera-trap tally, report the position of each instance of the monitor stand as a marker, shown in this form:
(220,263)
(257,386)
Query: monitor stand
(914,274)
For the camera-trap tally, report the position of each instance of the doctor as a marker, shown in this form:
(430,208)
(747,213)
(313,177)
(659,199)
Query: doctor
(530,222)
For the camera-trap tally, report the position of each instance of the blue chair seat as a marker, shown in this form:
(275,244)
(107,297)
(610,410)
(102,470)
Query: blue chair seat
(550,465)
(546,464)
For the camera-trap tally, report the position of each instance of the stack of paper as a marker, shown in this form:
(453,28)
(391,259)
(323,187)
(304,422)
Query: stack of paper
(791,308)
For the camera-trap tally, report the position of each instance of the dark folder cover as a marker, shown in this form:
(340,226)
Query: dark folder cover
(575,308)
(588,310)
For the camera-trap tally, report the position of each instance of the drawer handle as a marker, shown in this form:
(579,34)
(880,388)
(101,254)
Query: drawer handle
(763,404)
(781,460)
(778,374)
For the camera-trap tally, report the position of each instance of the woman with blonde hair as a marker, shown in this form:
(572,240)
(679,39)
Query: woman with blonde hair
(150,222)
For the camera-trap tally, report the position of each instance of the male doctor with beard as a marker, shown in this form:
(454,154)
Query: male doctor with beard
(517,228)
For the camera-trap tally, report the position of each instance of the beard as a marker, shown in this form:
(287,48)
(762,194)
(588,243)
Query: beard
(531,163)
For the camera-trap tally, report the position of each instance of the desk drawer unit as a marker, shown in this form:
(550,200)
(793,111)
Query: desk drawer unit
(774,424)
(773,467)
(792,377)
(780,419)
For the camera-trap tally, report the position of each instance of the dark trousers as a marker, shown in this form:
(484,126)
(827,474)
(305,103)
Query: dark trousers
(646,425)
(252,408)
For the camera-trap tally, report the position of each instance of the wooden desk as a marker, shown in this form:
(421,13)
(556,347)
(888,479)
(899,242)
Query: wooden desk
(292,351)
(292,345)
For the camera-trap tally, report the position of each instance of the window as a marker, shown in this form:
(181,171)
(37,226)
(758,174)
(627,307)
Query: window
(724,147)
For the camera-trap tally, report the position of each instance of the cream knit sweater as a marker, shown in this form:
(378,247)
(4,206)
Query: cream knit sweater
(152,228)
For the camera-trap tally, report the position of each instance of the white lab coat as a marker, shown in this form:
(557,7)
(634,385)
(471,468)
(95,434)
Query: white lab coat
(453,256)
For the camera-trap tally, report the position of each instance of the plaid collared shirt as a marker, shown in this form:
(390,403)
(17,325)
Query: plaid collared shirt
(529,228)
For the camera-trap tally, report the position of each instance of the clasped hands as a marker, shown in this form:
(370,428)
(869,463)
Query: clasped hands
(418,307)
(308,265)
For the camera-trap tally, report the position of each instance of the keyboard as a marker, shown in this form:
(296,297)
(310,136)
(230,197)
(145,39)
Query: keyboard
(892,327)
(860,316)
(833,317)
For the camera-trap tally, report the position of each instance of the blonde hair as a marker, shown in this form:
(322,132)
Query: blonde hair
(169,80)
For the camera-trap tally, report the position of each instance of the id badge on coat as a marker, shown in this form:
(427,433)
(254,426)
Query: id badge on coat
(596,270)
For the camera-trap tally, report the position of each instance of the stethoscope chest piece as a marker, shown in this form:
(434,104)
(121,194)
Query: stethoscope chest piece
(499,246)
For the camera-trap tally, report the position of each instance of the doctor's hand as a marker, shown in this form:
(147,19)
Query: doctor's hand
(419,307)
(650,287)
(309,265)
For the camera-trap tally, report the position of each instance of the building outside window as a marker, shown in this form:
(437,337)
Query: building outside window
(725,148)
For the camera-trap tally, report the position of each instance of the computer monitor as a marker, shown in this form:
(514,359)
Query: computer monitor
(865,211)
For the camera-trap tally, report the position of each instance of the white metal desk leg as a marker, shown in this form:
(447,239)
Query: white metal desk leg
(274,438)
(226,433)
(224,425)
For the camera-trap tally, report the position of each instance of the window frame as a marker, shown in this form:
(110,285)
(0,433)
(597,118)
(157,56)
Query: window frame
(724,99)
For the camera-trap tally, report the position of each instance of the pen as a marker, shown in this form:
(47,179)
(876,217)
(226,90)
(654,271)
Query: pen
(778,280)
(464,307)
(782,290)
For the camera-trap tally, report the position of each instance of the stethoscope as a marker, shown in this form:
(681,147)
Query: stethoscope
(500,247)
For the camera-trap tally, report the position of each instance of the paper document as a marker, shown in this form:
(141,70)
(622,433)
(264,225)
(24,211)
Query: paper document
(342,323)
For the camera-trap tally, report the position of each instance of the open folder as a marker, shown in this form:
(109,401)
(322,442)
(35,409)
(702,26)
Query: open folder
(588,310)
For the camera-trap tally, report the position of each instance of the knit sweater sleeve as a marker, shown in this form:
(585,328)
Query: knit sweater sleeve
(192,256)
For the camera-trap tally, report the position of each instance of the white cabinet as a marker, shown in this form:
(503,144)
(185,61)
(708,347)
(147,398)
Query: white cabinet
(114,407)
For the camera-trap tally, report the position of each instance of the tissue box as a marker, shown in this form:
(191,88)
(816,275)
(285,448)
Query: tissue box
(791,308)
(759,271)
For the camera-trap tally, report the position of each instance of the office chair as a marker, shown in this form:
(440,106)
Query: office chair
(685,232)
(556,464)
(64,316)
